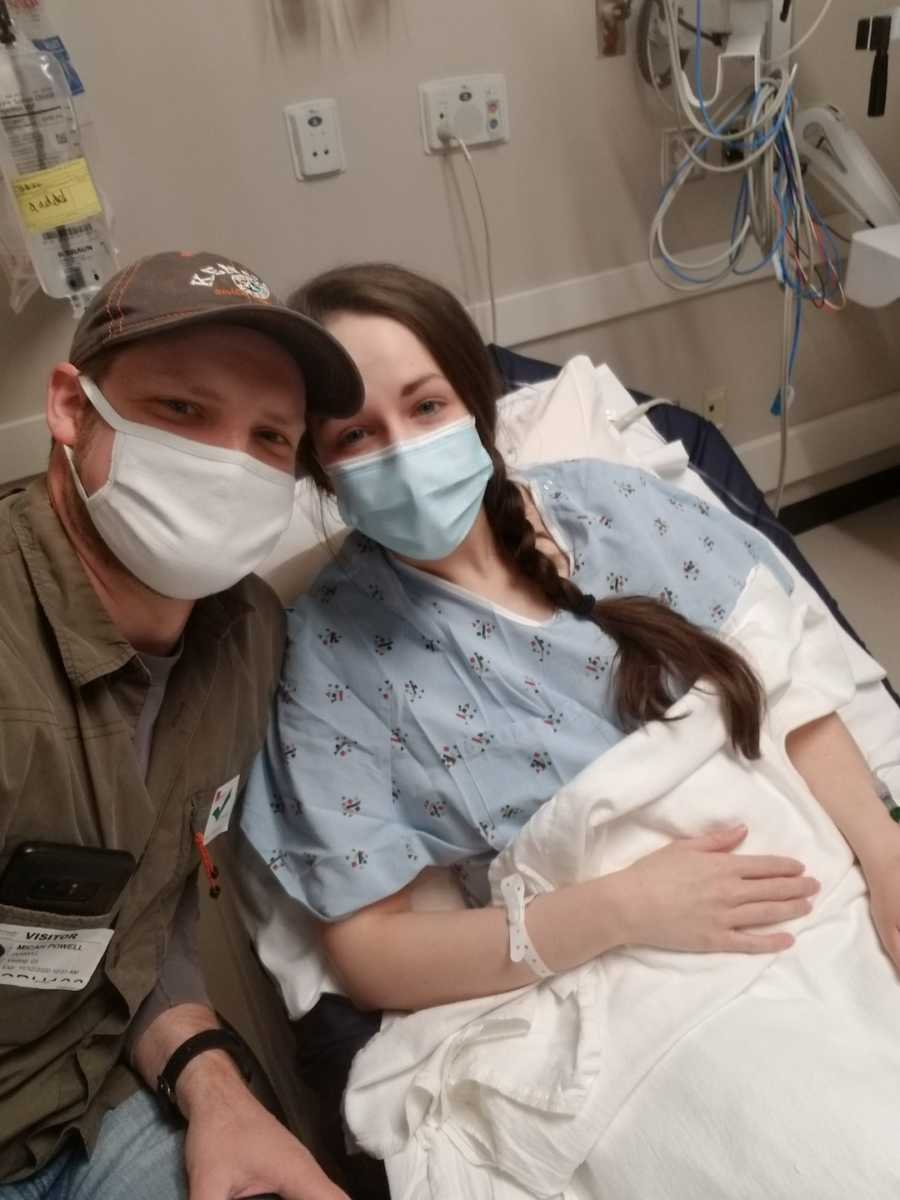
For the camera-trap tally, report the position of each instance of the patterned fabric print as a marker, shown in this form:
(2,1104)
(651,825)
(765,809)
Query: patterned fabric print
(425,727)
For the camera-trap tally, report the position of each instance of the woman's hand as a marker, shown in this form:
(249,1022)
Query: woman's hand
(882,873)
(695,895)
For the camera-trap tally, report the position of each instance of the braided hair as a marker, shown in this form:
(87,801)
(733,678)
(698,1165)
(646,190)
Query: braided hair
(660,654)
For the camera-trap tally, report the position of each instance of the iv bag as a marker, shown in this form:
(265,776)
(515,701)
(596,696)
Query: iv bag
(57,207)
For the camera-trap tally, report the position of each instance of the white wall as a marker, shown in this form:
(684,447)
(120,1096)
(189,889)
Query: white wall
(188,99)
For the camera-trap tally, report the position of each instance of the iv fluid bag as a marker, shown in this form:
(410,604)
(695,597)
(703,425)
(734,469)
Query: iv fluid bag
(52,189)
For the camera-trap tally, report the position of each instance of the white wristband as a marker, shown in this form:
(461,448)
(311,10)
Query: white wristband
(521,948)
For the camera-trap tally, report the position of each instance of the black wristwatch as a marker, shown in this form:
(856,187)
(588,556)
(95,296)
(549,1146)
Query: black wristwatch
(209,1039)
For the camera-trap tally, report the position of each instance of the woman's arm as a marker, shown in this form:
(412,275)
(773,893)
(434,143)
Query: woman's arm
(834,769)
(832,765)
(691,895)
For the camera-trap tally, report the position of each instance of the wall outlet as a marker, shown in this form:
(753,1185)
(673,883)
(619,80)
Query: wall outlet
(315,137)
(473,107)
(672,153)
(715,406)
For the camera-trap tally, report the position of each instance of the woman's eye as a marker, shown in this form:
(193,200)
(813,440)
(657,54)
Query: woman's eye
(350,437)
(429,407)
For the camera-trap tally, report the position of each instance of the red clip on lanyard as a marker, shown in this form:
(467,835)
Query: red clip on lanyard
(212,871)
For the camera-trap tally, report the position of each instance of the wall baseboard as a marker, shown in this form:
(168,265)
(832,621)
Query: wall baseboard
(24,448)
(879,487)
(531,316)
(826,443)
(815,447)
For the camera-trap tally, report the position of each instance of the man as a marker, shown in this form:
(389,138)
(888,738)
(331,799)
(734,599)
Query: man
(137,661)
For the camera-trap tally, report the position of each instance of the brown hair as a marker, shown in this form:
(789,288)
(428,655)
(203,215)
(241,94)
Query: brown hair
(659,652)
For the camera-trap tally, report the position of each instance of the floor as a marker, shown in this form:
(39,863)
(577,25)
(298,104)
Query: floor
(858,557)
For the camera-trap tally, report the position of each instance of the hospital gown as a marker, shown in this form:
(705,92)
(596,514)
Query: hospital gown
(417,724)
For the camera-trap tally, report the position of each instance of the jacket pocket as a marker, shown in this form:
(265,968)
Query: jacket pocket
(73,970)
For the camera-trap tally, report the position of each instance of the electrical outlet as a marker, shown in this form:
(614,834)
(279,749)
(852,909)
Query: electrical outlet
(473,107)
(315,136)
(715,406)
(672,153)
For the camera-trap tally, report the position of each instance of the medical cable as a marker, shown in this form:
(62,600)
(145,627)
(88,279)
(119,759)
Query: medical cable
(755,132)
(809,33)
(626,420)
(687,101)
(448,138)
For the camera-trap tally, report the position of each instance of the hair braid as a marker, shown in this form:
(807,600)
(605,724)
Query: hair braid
(659,653)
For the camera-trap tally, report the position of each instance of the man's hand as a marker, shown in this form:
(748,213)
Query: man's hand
(235,1148)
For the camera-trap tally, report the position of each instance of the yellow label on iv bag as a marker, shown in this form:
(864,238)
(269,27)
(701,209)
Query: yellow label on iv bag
(57,196)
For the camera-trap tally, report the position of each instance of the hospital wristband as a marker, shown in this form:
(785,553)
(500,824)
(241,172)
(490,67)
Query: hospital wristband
(521,947)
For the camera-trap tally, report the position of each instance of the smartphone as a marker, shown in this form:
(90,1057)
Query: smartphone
(75,880)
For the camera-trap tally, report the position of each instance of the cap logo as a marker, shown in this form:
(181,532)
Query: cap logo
(242,282)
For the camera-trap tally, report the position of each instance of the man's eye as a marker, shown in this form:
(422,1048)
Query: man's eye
(274,437)
(182,408)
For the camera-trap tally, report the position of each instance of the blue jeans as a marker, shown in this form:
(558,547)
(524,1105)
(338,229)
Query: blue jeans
(138,1154)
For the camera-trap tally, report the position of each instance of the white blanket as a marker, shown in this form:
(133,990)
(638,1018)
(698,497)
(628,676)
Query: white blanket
(649,1073)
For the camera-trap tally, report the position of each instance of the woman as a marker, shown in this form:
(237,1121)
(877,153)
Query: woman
(455,666)
(477,643)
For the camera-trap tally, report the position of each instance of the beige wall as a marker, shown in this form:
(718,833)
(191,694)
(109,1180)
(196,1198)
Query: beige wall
(188,97)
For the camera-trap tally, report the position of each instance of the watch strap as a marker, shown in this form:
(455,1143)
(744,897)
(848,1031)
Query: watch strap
(199,1043)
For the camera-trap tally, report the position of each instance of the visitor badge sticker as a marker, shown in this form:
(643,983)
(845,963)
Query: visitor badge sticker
(36,957)
(221,810)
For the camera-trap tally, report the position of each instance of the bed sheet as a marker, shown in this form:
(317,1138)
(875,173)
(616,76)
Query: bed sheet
(873,716)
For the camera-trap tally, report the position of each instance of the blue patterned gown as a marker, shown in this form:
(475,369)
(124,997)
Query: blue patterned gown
(417,724)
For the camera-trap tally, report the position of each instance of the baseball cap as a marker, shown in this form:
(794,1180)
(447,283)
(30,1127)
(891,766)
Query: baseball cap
(175,290)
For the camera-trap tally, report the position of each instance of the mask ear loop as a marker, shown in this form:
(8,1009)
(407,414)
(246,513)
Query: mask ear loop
(79,486)
(100,404)
(107,413)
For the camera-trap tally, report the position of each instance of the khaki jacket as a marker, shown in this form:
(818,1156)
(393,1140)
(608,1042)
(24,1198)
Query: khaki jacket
(71,690)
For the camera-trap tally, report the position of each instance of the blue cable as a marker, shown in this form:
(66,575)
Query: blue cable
(742,202)
(676,271)
(795,346)
(775,409)
(777,249)
(685,166)
(786,194)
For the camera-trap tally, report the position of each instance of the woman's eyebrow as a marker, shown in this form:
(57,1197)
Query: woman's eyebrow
(409,388)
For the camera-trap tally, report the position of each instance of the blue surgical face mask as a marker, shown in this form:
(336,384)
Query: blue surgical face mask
(418,498)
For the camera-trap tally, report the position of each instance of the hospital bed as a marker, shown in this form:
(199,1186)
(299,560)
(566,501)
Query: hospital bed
(329,1036)
(711,457)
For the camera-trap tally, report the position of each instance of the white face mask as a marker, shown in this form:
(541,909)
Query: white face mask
(185,518)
